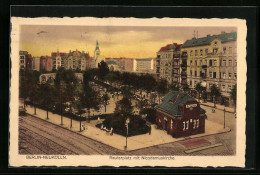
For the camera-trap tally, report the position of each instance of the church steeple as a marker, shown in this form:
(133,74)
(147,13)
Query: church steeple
(97,46)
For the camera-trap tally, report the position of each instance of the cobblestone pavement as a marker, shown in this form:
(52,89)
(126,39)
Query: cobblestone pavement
(37,136)
(40,137)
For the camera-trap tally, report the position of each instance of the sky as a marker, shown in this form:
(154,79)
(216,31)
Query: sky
(114,41)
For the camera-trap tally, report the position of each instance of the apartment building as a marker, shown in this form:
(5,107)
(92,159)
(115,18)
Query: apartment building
(212,59)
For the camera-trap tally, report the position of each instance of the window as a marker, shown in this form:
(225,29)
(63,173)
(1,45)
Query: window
(229,75)
(198,122)
(206,51)
(235,75)
(215,63)
(224,75)
(210,62)
(210,74)
(229,87)
(196,52)
(223,87)
(214,75)
(206,62)
(230,50)
(215,50)
(159,119)
(195,73)
(22,61)
(230,62)
(190,72)
(200,62)
(224,63)
(191,62)
(195,62)
(183,127)
(187,125)
(201,52)
(235,62)
(190,83)
(191,53)
(224,50)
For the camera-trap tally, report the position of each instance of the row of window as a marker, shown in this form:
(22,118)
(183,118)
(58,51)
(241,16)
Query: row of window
(214,62)
(214,74)
(186,123)
(201,52)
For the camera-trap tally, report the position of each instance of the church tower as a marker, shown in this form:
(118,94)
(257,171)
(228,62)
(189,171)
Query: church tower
(97,57)
(97,51)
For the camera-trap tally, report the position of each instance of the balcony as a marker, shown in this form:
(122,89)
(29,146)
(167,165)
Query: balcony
(184,74)
(183,65)
(204,66)
(176,55)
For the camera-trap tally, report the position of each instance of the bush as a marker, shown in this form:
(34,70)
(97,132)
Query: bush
(136,126)
(151,114)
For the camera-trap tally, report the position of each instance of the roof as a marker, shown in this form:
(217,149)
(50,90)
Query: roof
(145,59)
(225,37)
(111,62)
(54,54)
(173,100)
(165,48)
(168,47)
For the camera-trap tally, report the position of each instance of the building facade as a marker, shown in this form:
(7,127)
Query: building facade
(25,60)
(168,63)
(180,115)
(143,65)
(58,59)
(212,60)
(36,63)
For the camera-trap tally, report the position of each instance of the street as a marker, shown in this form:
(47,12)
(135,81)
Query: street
(40,137)
(37,136)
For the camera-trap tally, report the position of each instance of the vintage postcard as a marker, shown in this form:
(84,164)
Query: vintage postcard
(127,92)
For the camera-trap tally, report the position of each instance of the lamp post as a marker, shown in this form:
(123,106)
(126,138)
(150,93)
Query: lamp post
(126,124)
(224,117)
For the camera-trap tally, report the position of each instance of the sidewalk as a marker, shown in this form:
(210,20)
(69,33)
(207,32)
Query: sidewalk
(220,107)
(157,136)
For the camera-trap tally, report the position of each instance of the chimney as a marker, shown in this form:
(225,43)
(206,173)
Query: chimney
(223,32)
(208,35)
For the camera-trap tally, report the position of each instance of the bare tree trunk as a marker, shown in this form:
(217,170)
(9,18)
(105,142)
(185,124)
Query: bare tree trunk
(70,118)
(34,110)
(80,123)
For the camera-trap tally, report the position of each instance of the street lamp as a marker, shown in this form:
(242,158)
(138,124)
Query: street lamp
(126,124)
(224,117)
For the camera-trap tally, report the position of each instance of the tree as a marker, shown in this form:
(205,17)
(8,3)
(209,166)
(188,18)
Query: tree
(153,97)
(78,104)
(199,89)
(185,87)
(214,93)
(105,99)
(140,105)
(34,95)
(103,70)
(162,87)
(46,96)
(124,107)
(111,77)
(233,95)
(174,87)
